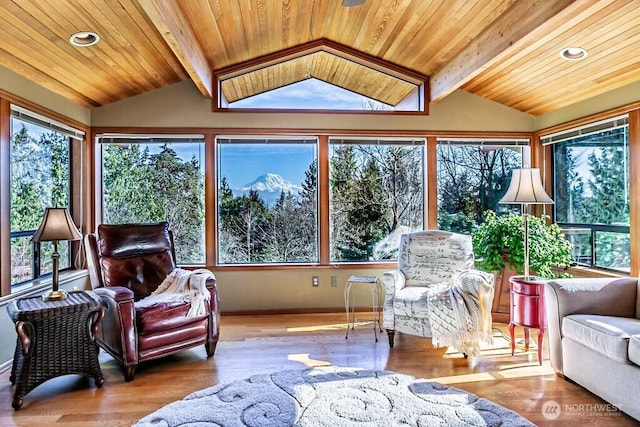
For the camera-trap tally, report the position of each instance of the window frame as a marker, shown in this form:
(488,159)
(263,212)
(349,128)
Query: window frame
(597,125)
(106,138)
(323,136)
(546,160)
(382,140)
(78,205)
(260,139)
(420,95)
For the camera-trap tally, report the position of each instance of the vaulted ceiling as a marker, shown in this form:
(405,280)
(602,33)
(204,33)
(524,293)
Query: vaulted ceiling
(503,50)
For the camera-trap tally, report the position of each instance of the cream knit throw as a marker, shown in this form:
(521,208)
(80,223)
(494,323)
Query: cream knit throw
(182,285)
(460,314)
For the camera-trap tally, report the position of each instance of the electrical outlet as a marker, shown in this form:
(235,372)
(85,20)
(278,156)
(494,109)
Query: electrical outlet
(315,281)
(334,281)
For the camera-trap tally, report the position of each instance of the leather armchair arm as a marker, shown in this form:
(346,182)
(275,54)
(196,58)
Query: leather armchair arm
(118,328)
(117,293)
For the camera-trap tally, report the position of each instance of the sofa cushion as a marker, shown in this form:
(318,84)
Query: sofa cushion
(634,349)
(412,301)
(608,335)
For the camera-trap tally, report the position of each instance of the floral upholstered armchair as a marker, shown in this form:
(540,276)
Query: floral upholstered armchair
(436,292)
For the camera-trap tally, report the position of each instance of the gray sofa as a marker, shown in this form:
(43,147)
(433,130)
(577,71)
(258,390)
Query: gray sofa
(594,336)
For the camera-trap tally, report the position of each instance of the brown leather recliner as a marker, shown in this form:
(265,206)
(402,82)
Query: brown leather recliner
(127,263)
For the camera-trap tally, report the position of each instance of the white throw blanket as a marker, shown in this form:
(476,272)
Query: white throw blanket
(460,314)
(182,285)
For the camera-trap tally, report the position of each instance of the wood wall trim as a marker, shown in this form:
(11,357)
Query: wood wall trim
(539,160)
(91,166)
(316,132)
(330,46)
(323,201)
(5,197)
(634,191)
(241,268)
(210,199)
(14,99)
(624,109)
(317,111)
(431,183)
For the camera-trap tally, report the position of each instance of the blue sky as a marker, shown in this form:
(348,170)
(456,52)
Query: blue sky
(307,94)
(242,163)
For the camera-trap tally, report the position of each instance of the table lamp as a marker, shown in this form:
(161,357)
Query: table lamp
(526,189)
(56,225)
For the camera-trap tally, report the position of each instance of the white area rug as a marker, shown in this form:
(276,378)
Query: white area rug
(332,396)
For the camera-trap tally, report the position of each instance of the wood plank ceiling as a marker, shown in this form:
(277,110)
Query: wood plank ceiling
(502,50)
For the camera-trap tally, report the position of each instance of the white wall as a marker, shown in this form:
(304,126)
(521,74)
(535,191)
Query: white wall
(19,86)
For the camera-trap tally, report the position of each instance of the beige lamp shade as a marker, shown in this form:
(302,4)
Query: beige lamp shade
(526,188)
(56,225)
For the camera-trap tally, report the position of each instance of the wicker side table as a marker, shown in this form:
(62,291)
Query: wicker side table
(55,338)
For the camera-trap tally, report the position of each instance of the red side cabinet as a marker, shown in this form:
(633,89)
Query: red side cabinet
(527,309)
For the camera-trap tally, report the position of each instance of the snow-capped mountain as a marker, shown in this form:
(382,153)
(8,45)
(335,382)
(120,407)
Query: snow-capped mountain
(269,186)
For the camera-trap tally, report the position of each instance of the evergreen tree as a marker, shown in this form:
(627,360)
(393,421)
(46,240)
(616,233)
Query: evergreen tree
(609,200)
(367,216)
(375,189)
(245,219)
(144,187)
(569,187)
(39,179)
(344,168)
(286,226)
(308,214)
(471,180)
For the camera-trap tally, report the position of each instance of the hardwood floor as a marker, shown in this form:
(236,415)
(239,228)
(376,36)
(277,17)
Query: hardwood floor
(261,344)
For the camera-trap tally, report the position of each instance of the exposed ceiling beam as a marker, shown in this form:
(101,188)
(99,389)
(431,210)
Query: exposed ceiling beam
(173,26)
(513,30)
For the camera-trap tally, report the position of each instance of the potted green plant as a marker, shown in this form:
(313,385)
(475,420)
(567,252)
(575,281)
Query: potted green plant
(498,243)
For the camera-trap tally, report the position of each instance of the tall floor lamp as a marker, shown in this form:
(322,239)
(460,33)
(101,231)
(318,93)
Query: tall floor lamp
(526,189)
(56,225)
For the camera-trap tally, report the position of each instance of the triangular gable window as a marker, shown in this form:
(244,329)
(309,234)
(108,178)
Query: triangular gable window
(320,76)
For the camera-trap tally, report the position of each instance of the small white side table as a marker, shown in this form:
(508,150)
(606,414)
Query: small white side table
(350,307)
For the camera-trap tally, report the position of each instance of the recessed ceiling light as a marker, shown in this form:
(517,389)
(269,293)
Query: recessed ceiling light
(351,3)
(573,53)
(84,39)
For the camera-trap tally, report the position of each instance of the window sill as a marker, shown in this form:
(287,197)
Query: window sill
(41,285)
(578,271)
